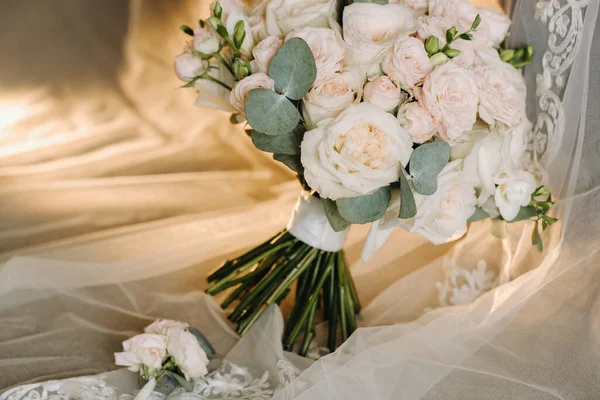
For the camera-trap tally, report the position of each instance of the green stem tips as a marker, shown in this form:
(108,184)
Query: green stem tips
(266,275)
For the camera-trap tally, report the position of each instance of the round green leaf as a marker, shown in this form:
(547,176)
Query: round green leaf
(364,209)
(288,143)
(478,215)
(292,162)
(408,206)
(333,216)
(426,163)
(293,69)
(270,113)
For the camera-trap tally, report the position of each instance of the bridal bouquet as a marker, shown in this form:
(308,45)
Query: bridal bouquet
(403,113)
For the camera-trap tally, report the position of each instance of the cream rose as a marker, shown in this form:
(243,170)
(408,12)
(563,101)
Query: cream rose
(418,122)
(459,13)
(371,29)
(407,62)
(264,52)
(284,16)
(206,40)
(189,356)
(450,94)
(242,88)
(164,326)
(325,46)
(188,66)
(328,97)
(495,24)
(356,153)
(383,93)
(513,192)
(498,99)
(431,25)
(146,349)
(512,75)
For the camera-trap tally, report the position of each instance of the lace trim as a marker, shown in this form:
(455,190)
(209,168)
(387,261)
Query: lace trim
(564,19)
(463,286)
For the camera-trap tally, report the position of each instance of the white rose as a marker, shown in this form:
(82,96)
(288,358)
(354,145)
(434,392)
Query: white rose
(284,16)
(146,349)
(495,24)
(490,57)
(417,5)
(356,153)
(430,25)
(418,122)
(163,326)
(514,192)
(328,97)
(466,58)
(206,41)
(407,62)
(371,29)
(213,95)
(242,88)
(441,217)
(459,13)
(188,66)
(264,52)
(189,356)
(325,46)
(498,99)
(383,93)
(449,93)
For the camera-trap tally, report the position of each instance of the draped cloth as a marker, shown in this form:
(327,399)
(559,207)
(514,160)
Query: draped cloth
(117,197)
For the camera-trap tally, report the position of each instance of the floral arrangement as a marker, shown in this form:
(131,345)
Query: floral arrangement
(403,113)
(168,352)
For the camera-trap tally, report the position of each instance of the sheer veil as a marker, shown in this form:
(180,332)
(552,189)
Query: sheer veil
(487,317)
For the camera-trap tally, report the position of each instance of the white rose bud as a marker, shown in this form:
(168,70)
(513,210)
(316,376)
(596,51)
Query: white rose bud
(188,354)
(418,122)
(284,16)
(146,349)
(356,153)
(383,93)
(498,99)
(235,16)
(514,192)
(264,52)
(371,29)
(328,97)
(240,91)
(163,326)
(450,94)
(407,62)
(206,40)
(188,66)
(325,44)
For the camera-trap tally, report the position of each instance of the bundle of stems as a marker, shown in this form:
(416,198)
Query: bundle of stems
(265,276)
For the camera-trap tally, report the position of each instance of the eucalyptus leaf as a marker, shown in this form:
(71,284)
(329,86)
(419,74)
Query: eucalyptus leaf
(426,163)
(536,238)
(293,69)
(408,206)
(292,162)
(288,143)
(499,229)
(202,341)
(525,213)
(271,113)
(337,222)
(478,215)
(364,209)
(187,385)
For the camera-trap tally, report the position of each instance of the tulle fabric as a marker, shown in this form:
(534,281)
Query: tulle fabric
(116,201)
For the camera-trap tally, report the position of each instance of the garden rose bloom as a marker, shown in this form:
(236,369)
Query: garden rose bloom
(417,5)
(284,16)
(264,52)
(188,66)
(418,122)
(325,46)
(498,99)
(328,97)
(450,94)
(163,326)
(407,62)
(431,25)
(356,153)
(188,354)
(383,93)
(371,29)
(147,349)
(206,40)
(242,88)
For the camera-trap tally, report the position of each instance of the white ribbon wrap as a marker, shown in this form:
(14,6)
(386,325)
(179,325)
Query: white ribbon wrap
(147,390)
(310,225)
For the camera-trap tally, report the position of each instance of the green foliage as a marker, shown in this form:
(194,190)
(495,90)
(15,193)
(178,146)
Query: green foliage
(239,34)
(287,143)
(337,222)
(186,29)
(202,341)
(271,113)
(187,385)
(432,45)
(426,163)
(364,209)
(478,215)
(408,206)
(291,161)
(293,69)
(518,58)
